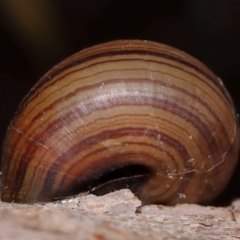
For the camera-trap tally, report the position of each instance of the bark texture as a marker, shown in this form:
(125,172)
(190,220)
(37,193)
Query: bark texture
(117,215)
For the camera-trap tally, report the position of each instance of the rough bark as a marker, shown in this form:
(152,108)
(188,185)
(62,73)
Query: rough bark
(117,215)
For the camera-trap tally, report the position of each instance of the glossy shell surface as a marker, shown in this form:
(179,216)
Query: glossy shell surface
(119,104)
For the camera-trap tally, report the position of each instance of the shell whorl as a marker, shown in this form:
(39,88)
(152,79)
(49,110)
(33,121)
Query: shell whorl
(117,104)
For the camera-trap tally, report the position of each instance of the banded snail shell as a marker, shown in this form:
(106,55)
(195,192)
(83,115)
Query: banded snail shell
(118,104)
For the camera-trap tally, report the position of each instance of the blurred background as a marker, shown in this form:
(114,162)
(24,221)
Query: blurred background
(35,35)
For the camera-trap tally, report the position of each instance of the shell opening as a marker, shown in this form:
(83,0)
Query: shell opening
(131,177)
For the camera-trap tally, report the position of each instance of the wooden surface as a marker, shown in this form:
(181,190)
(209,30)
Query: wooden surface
(117,215)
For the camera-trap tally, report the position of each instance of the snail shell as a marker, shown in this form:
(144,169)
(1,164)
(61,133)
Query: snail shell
(117,105)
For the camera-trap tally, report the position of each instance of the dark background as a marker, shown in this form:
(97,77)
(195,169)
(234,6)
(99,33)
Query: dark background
(35,35)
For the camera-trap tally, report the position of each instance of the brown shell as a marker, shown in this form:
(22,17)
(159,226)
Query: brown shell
(138,106)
